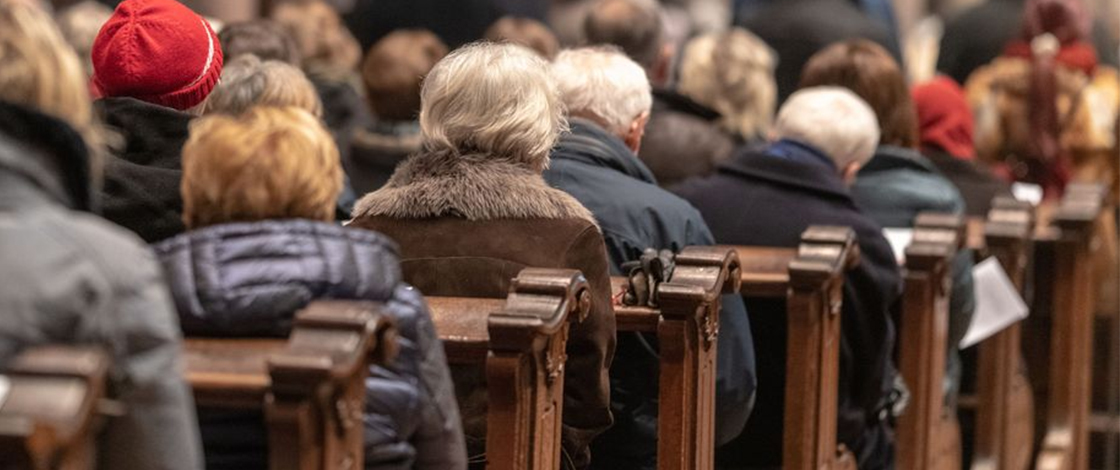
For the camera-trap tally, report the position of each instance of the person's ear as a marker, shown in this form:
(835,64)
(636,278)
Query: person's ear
(635,132)
(848,174)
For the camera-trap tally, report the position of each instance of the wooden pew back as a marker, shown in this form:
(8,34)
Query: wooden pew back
(49,416)
(311,387)
(811,279)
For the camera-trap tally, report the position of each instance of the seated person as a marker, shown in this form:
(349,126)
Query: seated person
(265,39)
(768,197)
(524,32)
(259,194)
(899,183)
(69,276)
(608,99)
(945,131)
(470,210)
(392,72)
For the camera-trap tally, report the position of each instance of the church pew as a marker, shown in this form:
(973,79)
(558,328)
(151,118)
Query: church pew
(1003,404)
(928,436)
(49,415)
(1064,281)
(521,341)
(310,387)
(687,328)
(810,278)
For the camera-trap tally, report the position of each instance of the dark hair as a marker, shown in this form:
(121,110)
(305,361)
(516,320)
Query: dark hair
(870,72)
(265,39)
(394,68)
(524,32)
(634,27)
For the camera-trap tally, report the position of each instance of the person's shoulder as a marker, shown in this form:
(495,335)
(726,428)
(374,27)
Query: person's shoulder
(118,255)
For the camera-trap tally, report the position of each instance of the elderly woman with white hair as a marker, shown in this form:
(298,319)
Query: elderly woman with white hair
(768,197)
(470,210)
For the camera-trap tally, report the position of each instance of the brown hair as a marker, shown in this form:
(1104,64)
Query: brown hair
(868,70)
(394,69)
(524,32)
(326,47)
(269,163)
(265,39)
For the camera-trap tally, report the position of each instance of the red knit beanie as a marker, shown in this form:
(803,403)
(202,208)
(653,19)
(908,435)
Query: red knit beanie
(157,51)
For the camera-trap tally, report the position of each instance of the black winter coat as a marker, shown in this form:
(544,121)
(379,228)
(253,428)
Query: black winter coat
(764,200)
(683,139)
(603,174)
(249,279)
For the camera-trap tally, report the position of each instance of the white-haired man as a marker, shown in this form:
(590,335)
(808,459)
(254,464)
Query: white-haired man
(768,197)
(608,98)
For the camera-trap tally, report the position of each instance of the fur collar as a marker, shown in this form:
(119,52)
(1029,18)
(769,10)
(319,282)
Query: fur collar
(476,187)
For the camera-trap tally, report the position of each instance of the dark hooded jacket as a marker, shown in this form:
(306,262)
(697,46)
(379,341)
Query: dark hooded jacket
(70,277)
(141,191)
(603,174)
(682,139)
(761,199)
(249,279)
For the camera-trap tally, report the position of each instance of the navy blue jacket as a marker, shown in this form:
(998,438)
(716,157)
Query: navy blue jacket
(249,279)
(762,199)
(602,173)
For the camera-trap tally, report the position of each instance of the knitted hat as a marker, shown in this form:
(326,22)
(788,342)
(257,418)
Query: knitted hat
(157,51)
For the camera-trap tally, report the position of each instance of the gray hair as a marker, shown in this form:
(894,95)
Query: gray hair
(247,81)
(832,119)
(493,99)
(603,84)
(733,73)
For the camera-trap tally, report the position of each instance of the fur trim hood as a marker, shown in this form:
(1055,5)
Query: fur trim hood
(473,186)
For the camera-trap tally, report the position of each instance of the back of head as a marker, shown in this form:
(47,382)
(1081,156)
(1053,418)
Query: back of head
(40,71)
(868,70)
(247,82)
(269,163)
(833,120)
(265,39)
(604,85)
(395,67)
(633,25)
(79,24)
(157,51)
(492,100)
(733,73)
(944,117)
(325,45)
(524,32)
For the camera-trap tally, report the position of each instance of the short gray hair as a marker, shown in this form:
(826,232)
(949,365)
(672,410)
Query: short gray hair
(603,84)
(832,119)
(247,81)
(492,99)
(733,73)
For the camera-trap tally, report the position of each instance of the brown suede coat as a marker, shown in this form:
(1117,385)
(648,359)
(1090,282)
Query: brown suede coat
(466,225)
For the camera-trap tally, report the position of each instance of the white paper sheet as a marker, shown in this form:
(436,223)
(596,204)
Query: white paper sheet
(899,239)
(1027,192)
(5,387)
(998,303)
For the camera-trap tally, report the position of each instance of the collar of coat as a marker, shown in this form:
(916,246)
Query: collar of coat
(46,153)
(890,157)
(473,186)
(756,163)
(590,144)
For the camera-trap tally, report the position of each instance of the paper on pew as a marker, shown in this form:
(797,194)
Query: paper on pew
(998,303)
(5,387)
(899,239)
(1027,192)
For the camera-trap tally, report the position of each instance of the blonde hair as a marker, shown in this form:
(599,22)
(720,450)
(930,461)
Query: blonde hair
(494,99)
(38,69)
(733,73)
(325,45)
(603,84)
(247,81)
(269,163)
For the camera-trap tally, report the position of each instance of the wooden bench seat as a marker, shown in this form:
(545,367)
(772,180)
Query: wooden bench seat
(811,279)
(310,387)
(49,415)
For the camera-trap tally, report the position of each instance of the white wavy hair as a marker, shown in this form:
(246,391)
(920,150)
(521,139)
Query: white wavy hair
(497,100)
(732,72)
(603,84)
(832,119)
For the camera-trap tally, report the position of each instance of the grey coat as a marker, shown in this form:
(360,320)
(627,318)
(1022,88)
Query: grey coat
(71,277)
